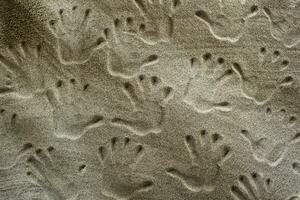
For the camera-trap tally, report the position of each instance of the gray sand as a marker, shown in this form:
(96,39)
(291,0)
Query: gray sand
(149,100)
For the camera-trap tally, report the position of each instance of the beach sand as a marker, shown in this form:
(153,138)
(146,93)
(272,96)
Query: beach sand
(149,100)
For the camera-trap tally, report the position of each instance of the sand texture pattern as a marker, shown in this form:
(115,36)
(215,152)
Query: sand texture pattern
(149,99)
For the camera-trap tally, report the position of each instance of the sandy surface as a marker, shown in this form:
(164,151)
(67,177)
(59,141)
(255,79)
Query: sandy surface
(149,100)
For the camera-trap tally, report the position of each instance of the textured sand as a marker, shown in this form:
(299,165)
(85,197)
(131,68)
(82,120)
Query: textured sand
(149,100)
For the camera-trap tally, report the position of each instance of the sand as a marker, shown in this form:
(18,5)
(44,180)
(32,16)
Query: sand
(149,100)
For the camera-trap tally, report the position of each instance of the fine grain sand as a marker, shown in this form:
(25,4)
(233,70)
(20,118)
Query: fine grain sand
(149,100)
